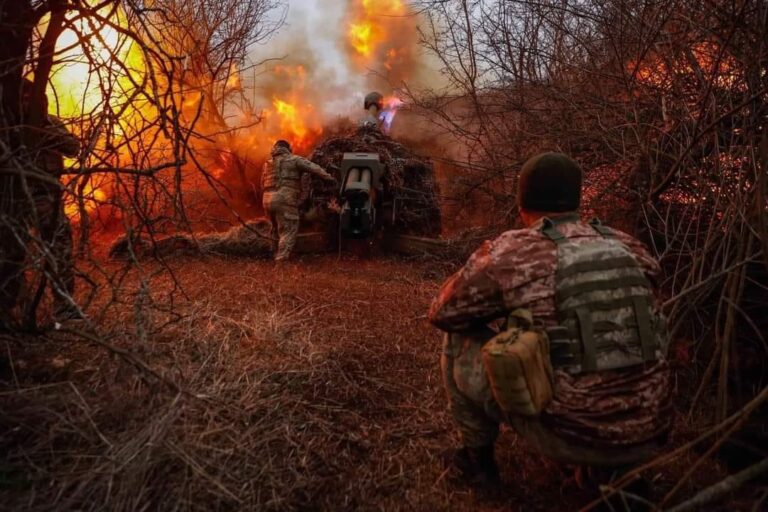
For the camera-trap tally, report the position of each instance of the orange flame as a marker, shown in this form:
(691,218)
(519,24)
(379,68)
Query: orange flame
(370,31)
(92,197)
(74,94)
(297,119)
(706,57)
(290,120)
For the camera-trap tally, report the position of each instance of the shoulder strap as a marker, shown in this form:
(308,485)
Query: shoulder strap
(549,227)
(604,231)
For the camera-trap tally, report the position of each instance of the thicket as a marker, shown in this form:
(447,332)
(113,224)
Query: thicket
(663,103)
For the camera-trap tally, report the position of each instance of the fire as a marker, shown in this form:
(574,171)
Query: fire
(294,122)
(71,88)
(92,197)
(119,128)
(291,116)
(83,67)
(705,57)
(387,115)
(361,38)
(372,30)
(233,80)
(290,120)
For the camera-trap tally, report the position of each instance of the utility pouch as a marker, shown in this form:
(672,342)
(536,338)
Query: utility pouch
(518,366)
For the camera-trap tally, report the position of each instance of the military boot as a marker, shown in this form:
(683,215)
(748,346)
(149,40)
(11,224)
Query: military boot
(476,466)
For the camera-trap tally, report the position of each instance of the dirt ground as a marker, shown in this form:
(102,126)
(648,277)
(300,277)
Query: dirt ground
(312,385)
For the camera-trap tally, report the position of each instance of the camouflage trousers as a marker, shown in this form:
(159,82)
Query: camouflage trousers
(56,229)
(478,416)
(283,213)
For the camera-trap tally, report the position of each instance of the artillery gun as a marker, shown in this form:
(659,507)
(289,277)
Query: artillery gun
(388,195)
(360,188)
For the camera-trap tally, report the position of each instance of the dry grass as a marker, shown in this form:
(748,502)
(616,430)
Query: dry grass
(310,386)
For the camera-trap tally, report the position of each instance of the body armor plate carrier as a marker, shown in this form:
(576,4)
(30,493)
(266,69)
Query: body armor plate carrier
(604,305)
(281,172)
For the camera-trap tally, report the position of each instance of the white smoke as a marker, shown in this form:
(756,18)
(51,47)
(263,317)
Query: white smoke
(312,36)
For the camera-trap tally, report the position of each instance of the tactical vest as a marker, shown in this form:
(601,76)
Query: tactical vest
(280,172)
(604,305)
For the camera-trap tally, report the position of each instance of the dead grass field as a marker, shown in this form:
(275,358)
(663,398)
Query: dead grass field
(306,386)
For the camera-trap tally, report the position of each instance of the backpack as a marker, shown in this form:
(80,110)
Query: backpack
(279,171)
(604,304)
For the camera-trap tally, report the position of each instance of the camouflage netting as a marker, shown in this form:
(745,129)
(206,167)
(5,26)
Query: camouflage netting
(251,239)
(409,180)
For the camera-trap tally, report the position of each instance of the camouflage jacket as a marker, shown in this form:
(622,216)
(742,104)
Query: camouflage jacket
(282,173)
(54,143)
(619,407)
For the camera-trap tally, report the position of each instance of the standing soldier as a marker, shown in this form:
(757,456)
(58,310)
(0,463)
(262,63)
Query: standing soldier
(373,104)
(45,214)
(589,288)
(281,184)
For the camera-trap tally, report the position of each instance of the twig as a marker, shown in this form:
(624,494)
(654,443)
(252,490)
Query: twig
(721,488)
(738,418)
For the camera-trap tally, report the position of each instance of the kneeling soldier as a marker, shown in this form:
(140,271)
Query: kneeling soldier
(588,290)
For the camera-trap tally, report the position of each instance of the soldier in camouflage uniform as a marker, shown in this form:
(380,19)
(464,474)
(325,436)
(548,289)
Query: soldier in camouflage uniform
(597,418)
(44,215)
(55,227)
(281,184)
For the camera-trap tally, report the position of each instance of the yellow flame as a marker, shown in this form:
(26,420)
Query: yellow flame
(92,197)
(360,37)
(290,119)
(83,71)
(233,80)
(75,85)
(366,31)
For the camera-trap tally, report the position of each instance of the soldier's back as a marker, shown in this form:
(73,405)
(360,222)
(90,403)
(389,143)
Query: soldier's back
(611,408)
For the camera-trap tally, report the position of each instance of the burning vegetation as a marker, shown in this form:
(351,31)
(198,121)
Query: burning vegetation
(226,134)
(192,377)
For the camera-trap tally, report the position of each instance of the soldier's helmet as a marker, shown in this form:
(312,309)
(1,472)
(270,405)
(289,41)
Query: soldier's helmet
(550,182)
(374,98)
(282,144)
